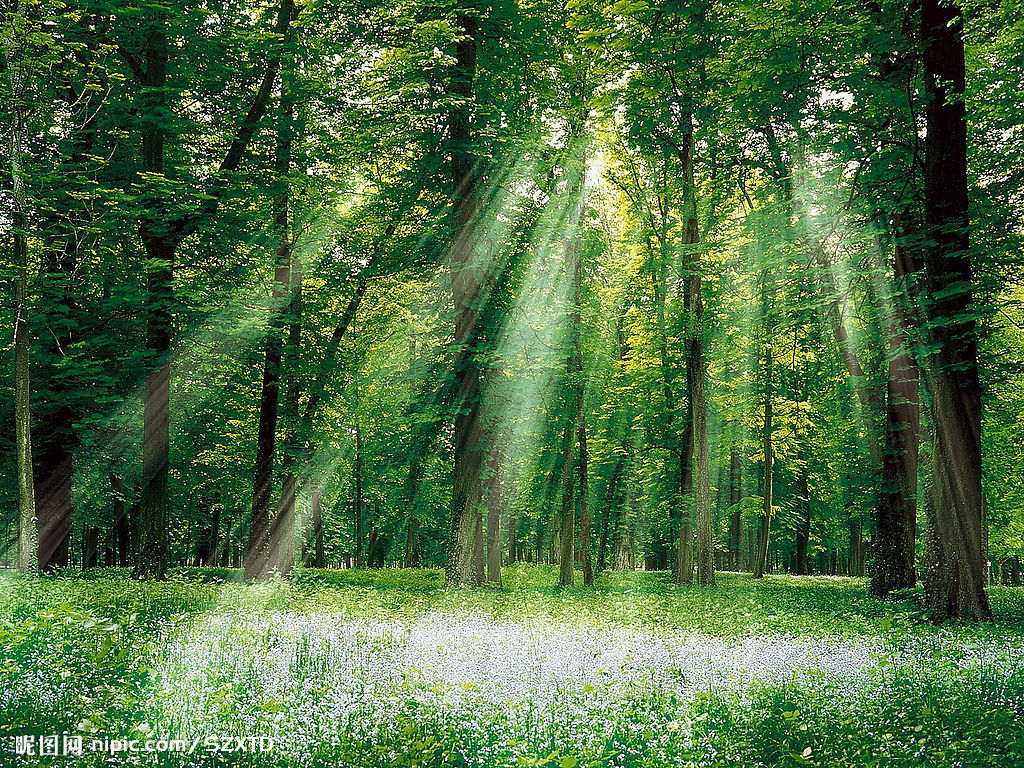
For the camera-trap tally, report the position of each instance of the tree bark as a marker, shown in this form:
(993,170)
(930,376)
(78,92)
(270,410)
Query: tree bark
(602,545)
(696,372)
(121,528)
(357,506)
(896,530)
(28,542)
(586,558)
(90,546)
(494,507)
(318,531)
(956,586)
(154,537)
(285,521)
(468,294)
(761,556)
(263,543)
(803,533)
(566,561)
(735,513)
(412,543)
(161,231)
(577,376)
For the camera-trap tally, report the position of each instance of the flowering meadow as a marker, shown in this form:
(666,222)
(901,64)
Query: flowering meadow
(390,668)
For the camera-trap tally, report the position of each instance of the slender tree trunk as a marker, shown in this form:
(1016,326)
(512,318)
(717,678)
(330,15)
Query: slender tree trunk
(494,507)
(90,546)
(371,547)
(257,556)
(468,291)
(318,532)
(285,522)
(55,436)
(161,229)
(761,556)
(735,513)
(683,566)
(896,531)
(803,533)
(412,484)
(609,503)
(154,536)
(701,461)
(412,543)
(584,479)
(566,518)
(577,382)
(121,528)
(214,537)
(28,542)
(680,530)
(856,554)
(357,513)
(696,372)
(956,587)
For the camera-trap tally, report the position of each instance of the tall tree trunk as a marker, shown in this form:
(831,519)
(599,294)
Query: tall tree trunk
(494,506)
(896,530)
(610,522)
(121,526)
(90,546)
(566,560)
(54,507)
(855,523)
(468,291)
(213,538)
(412,535)
(577,377)
(357,506)
(223,549)
(67,218)
(412,543)
(683,565)
(318,531)
(735,512)
(260,553)
(696,372)
(956,587)
(761,556)
(154,539)
(258,550)
(701,459)
(285,522)
(586,558)
(28,549)
(803,533)
(162,230)
(680,530)
(606,513)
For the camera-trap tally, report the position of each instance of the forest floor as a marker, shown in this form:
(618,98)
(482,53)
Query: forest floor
(388,668)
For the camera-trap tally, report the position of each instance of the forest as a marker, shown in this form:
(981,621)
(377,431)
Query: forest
(369,367)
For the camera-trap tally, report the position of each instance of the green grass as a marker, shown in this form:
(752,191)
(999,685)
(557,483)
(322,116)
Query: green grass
(380,668)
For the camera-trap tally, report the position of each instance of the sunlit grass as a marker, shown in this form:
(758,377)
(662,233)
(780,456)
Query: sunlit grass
(375,668)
